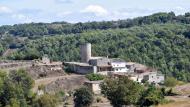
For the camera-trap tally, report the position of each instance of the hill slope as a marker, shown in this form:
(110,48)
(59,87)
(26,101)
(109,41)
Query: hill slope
(162,46)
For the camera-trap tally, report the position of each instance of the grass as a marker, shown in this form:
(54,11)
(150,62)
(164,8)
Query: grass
(185,103)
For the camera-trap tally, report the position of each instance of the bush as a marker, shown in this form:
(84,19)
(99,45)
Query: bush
(95,77)
(83,97)
(170,82)
(15,89)
(46,100)
(121,91)
(152,96)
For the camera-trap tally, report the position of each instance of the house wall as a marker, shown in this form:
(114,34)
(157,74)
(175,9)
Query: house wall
(99,62)
(119,67)
(153,77)
(118,64)
(96,88)
(81,69)
(134,78)
(140,78)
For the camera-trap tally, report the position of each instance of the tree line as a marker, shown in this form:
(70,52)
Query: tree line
(34,30)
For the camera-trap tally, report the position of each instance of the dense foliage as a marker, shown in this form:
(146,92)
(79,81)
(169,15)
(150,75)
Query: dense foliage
(121,91)
(170,82)
(160,40)
(83,97)
(95,77)
(15,89)
(162,46)
(152,96)
(39,29)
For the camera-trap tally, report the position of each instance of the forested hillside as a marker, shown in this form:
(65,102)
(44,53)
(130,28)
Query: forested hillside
(162,46)
(161,40)
(17,35)
(33,30)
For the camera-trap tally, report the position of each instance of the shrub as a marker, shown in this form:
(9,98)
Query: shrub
(121,91)
(46,100)
(170,82)
(95,77)
(152,96)
(83,97)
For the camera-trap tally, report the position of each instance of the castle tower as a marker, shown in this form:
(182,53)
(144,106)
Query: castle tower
(85,52)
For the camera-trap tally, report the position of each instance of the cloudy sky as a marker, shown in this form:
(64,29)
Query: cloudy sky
(26,11)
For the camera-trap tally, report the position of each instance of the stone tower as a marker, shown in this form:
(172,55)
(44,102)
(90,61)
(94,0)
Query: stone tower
(85,52)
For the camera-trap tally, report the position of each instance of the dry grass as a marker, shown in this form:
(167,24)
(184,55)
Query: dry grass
(185,103)
(178,101)
(183,89)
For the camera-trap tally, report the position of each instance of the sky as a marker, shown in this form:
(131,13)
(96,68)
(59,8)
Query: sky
(73,11)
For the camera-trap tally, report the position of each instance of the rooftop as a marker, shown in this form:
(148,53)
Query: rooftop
(78,63)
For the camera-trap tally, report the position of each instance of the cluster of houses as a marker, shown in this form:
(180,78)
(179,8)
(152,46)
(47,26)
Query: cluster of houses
(112,67)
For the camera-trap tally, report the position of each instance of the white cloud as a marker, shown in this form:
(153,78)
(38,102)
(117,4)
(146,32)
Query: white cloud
(95,9)
(22,18)
(4,9)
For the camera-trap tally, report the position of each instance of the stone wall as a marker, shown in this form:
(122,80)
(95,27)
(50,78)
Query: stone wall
(44,71)
(35,69)
(66,84)
(13,65)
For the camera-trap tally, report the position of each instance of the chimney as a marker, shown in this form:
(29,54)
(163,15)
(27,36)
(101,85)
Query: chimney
(85,52)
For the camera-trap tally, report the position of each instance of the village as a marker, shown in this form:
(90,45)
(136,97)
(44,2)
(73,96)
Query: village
(114,67)
(54,75)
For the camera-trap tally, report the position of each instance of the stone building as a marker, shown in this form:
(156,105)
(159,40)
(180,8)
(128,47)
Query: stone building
(113,66)
(94,86)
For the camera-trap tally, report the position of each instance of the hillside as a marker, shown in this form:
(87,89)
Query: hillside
(33,30)
(162,46)
(160,40)
(17,35)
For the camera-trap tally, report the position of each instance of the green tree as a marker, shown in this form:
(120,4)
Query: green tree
(152,96)
(15,89)
(22,78)
(121,91)
(170,82)
(83,97)
(13,103)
